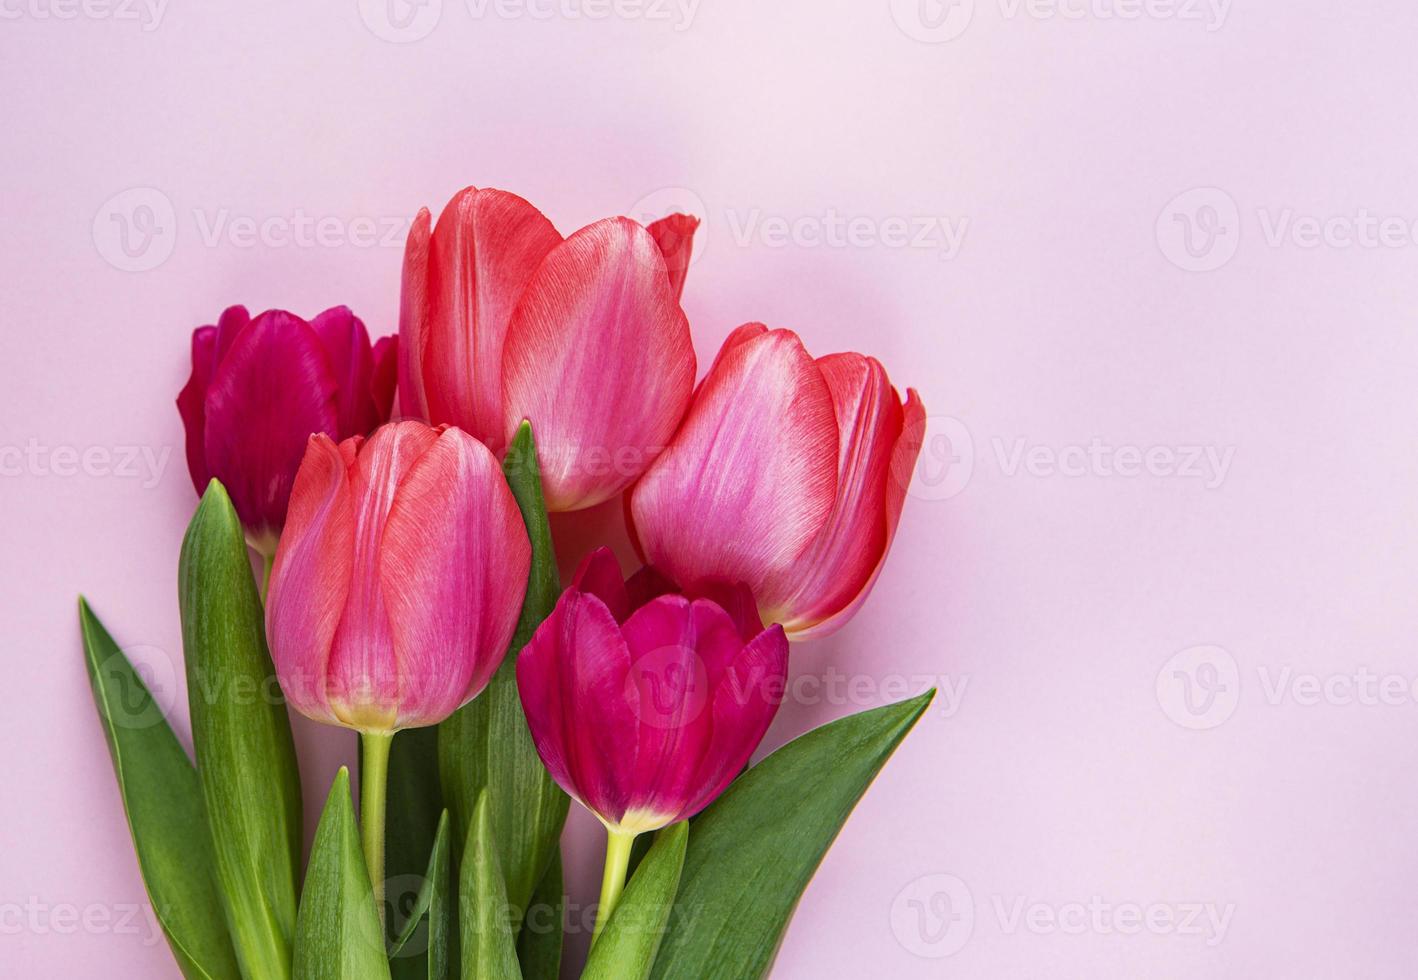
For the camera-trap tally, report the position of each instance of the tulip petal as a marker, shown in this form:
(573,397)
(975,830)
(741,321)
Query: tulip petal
(191,404)
(413,318)
(853,541)
(745,703)
(674,234)
(582,715)
(679,652)
(599,358)
(385,377)
(229,326)
(363,674)
(599,575)
(267,396)
(311,575)
(346,344)
(645,584)
(750,478)
(453,569)
(904,451)
(474,266)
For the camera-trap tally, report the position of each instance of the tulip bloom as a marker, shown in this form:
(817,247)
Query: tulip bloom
(645,709)
(395,590)
(788,474)
(399,579)
(259,389)
(502,320)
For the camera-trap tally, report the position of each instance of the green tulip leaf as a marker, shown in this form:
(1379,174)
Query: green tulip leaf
(489,951)
(242,739)
(626,947)
(410,833)
(485,745)
(754,850)
(338,935)
(423,940)
(163,801)
(539,945)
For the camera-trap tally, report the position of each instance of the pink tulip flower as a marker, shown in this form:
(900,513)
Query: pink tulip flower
(503,320)
(399,578)
(259,389)
(644,707)
(788,474)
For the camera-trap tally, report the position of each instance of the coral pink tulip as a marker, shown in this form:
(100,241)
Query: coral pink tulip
(399,578)
(788,474)
(259,389)
(502,320)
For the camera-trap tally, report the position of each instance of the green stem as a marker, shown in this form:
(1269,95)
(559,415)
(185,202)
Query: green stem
(618,846)
(270,561)
(373,786)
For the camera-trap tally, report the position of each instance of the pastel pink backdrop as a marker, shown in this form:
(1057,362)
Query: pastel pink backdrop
(1070,776)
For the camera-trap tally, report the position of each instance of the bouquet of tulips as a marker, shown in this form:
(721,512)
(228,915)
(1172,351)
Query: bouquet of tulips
(406,587)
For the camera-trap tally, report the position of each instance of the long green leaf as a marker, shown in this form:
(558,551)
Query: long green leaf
(627,946)
(415,806)
(754,850)
(423,938)
(539,945)
(486,744)
(241,734)
(163,801)
(338,936)
(489,951)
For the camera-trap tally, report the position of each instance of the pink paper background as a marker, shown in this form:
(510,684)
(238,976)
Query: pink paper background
(1069,813)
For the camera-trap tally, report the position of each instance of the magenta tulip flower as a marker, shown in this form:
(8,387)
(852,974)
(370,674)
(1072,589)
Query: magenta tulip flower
(645,708)
(502,320)
(259,389)
(788,474)
(398,580)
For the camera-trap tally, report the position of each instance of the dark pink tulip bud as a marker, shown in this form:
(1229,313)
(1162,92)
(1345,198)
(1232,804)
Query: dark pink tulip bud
(645,715)
(259,389)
